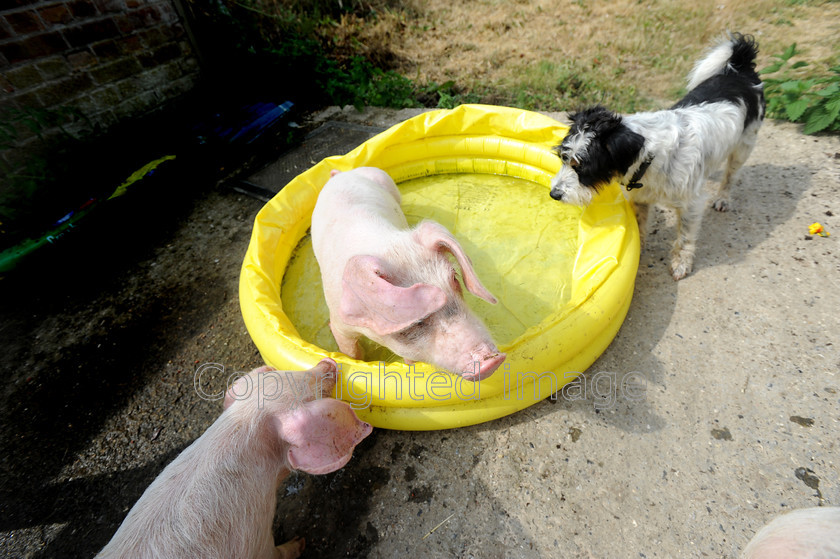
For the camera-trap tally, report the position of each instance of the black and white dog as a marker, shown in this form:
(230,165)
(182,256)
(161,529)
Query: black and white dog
(665,157)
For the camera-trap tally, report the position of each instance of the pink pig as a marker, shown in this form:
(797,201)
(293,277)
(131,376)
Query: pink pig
(394,284)
(812,533)
(218,497)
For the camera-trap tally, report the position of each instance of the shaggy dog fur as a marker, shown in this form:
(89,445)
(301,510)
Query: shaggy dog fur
(673,150)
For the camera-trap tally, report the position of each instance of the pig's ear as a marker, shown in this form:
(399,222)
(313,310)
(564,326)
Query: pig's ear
(436,237)
(321,435)
(370,300)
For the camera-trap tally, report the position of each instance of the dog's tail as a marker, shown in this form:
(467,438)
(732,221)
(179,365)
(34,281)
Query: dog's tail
(736,53)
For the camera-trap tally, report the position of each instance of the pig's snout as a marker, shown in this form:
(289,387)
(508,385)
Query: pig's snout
(483,366)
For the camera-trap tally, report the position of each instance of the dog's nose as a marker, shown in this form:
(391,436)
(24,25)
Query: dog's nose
(556,194)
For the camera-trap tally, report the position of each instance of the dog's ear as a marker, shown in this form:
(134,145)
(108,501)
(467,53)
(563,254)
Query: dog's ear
(576,116)
(624,146)
(604,121)
(596,117)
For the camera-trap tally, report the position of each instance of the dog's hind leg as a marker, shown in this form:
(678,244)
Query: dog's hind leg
(688,229)
(736,160)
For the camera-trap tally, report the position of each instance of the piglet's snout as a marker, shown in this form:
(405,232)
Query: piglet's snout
(483,364)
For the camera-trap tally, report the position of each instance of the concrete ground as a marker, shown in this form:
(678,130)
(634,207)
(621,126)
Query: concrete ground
(738,421)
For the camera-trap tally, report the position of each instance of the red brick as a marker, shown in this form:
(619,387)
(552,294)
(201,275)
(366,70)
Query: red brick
(33,47)
(110,6)
(117,48)
(24,77)
(126,23)
(105,119)
(81,59)
(11,4)
(177,87)
(82,9)
(5,86)
(168,13)
(56,14)
(136,105)
(106,97)
(188,64)
(132,44)
(153,37)
(28,99)
(5,30)
(129,88)
(115,71)
(24,23)
(107,50)
(171,71)
(60,92)
(91,32)
(54,68)
(159,55)
(168,32)
(139,19)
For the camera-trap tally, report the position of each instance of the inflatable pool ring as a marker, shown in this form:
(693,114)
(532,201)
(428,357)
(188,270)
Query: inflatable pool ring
(563,275)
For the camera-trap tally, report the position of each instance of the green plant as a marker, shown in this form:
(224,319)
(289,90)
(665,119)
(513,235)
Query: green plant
(814,101)
(445,96)
(361,83)
(24,165)
(38,122)
(308,49)
(33,171)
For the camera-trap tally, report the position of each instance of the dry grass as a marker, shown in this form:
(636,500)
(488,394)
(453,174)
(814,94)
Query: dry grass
(551,54)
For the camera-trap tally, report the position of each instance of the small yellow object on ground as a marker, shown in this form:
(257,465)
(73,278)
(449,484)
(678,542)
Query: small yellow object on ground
(818,229)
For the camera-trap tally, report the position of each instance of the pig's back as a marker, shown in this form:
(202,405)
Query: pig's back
(355,214)
(214,500)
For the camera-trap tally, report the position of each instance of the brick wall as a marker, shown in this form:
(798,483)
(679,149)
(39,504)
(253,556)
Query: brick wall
(111,59)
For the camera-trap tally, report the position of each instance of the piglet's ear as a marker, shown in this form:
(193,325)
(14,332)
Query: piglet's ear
(436,237)
(370,300)
(322,435)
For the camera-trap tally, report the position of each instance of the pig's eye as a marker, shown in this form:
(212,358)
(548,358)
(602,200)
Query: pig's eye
(421,326)
(414,331)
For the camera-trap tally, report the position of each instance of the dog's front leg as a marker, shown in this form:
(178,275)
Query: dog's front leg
(641,211)
(688,229)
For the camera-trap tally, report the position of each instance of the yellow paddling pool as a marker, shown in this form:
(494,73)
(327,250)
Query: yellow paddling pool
(563,275)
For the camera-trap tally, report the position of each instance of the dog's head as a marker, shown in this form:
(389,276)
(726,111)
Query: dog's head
(598,149)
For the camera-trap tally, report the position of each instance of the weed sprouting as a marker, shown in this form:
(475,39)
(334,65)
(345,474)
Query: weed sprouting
(814,101)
